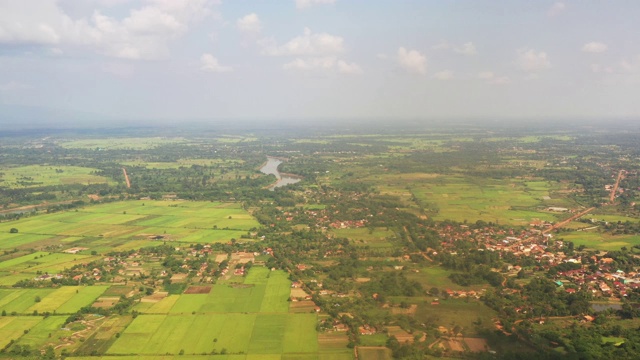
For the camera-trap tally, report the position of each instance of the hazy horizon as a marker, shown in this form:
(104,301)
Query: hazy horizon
(172,61)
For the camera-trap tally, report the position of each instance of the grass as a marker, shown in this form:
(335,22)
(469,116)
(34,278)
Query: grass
(250,318)
(468,315)
(125,225)
(64,300)
(460,198)
(375,238)
(44,175)
(438,277)
(600,241)
(133,143)
(374,353)
(13,327)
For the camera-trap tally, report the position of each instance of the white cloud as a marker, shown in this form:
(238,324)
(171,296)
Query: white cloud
(556,9)
(308,44)
(209,63)
(597,68)
(530,60)
(466,49)
(631,65)
(594,47)
(145,33)
(327,63)
(443,75)
(249,24)
(486,75)
(304,4)
(412,60)
(349,68)
(494,79)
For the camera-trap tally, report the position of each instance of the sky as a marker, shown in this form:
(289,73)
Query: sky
(322,59)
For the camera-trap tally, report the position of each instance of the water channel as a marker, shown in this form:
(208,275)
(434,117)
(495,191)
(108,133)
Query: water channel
(271,167)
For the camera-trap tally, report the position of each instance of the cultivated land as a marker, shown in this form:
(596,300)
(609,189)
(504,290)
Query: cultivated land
(43,175)
(123,225)
(250,318)
(432,243)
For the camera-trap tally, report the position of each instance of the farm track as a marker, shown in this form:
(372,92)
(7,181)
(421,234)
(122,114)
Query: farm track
(565,222)
(419,252)
(126,177)
(612,196)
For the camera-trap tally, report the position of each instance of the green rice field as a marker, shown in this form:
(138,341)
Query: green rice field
(251,319)
(44,175)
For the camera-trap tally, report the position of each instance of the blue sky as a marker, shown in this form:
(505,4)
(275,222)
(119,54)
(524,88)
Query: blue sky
(310,59)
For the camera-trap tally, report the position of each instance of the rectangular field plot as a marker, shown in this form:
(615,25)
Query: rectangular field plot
(254,334)
(223,299)
(11,241)
(13,327)
(45,332)
(129,224)
(162,334)
(300,335)
(14,300)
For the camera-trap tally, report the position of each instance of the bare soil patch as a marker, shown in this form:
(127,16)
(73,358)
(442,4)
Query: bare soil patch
(105,302)
(476,344)
(298,293)
(455,344)
(198,290)
(177,278)
(408,311)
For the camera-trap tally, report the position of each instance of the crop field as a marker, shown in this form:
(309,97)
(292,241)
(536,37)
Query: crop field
(133,143)
(598,241)
(438,277)
(376,238)
(64,300)
(13,327)
(117,224)
(244,318)
(457,312)
(182,163)
(472,199)
(42,175)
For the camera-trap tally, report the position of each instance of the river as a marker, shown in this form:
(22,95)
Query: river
(271,167)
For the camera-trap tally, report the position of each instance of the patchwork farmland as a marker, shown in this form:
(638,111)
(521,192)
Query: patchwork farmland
(236,317)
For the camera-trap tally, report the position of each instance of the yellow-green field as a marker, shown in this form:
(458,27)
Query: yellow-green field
(133,143)
(374,238)
(181,163)
(460,198)
(600,241)
(44,175)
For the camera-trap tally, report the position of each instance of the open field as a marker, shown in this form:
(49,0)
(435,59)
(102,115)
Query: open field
(133,143)
(374,353)
(181,163)
(436,276)
(460,198)
(245,318)
(134,220)
(468,315)
(43,175)
(600,241)
(376,238)
(64,300)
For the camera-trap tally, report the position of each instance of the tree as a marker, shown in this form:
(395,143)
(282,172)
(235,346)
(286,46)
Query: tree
(13,231)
